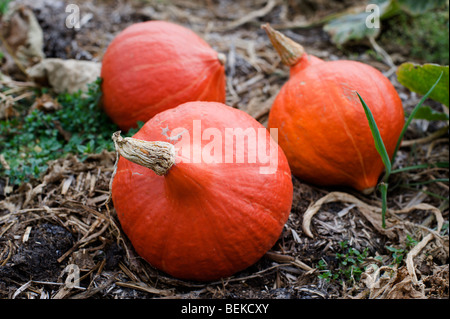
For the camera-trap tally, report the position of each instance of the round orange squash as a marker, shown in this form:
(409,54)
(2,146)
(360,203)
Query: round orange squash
(195,211)
(152,66)
(323,129)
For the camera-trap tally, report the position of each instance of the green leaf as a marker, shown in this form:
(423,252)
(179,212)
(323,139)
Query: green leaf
(418,78)
(352,23)
(414,111)
(350,27)
(427,113)
(414,7)
(356,23)
(81,148)
(4,6)
(383,189)
(379,144)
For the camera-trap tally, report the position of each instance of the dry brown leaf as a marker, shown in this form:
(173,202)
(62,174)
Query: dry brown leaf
(45,103)
(404,287)
(65,75)
(372,213)
(438,281)
(7,109)
(390,283)
(22,39)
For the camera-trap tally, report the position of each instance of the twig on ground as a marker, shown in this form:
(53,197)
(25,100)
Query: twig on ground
(250,16)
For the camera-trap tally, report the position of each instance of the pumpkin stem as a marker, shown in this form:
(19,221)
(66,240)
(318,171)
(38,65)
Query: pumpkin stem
(155,155)
(289,51)
(222,58)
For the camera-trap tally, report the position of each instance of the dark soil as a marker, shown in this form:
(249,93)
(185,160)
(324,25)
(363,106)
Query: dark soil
(37,257)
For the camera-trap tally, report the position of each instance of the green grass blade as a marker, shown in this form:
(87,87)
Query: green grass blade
(442,180)
(411,116)
(383,189)
(421,166)
(379,144)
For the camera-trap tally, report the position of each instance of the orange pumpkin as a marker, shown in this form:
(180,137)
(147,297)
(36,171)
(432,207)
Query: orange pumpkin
(209,215)
(156,65)
(323,129)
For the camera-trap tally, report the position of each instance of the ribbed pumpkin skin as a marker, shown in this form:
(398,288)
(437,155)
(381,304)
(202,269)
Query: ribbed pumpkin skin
(202,221)
(323,129)
(156,65)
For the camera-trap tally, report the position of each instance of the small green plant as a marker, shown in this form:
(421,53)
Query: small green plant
(399,253)
(350,264)
(4,4)
(379,144)
(79,127)
(325,273)
(444,230)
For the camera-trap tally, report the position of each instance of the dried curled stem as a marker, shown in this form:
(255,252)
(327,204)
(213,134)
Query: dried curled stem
(155,155)
(289,51)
